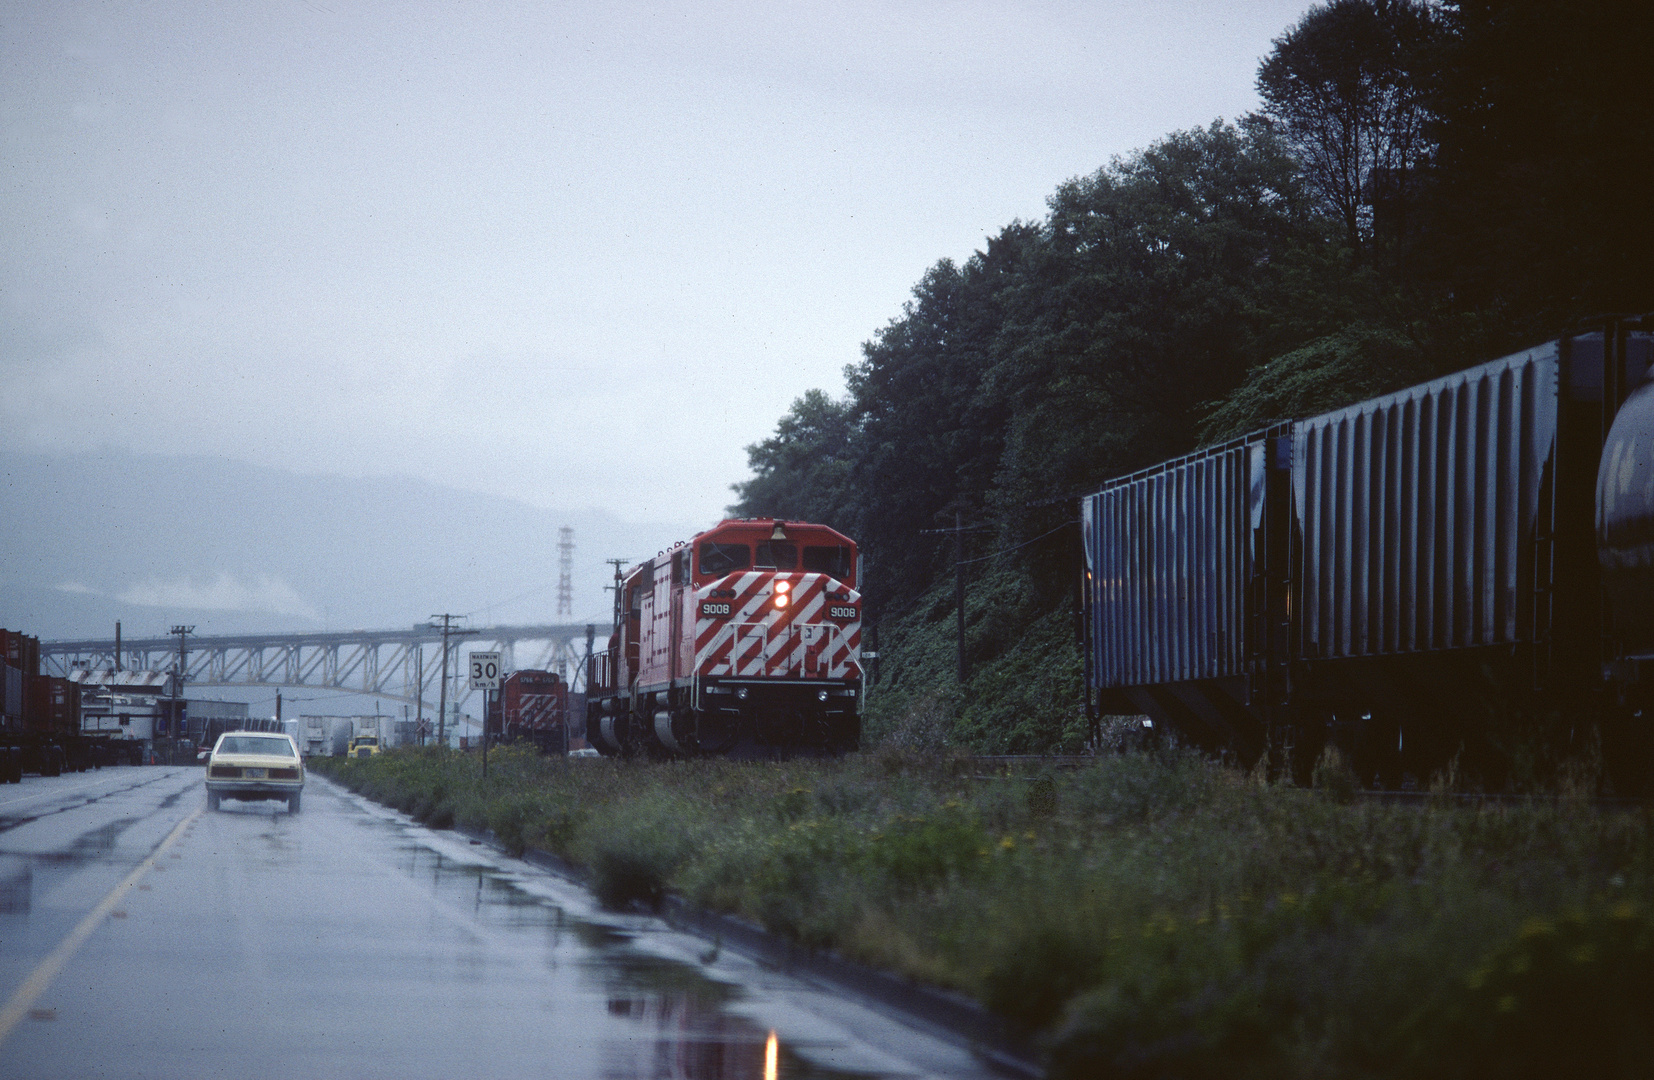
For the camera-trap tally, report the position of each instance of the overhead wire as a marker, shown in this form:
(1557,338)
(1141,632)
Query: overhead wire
(1025,543)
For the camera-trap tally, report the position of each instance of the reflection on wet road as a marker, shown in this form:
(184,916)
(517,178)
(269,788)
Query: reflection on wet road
(345,941)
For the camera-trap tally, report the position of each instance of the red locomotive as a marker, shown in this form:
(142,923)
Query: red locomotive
(744,640)
(532,706)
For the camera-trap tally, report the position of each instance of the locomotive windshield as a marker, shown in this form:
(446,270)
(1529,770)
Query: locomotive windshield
(719,558)
(833,561)
(774,555)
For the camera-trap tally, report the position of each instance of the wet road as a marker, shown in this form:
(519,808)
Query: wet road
(142,936)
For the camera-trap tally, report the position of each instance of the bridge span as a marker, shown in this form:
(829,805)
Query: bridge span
(401,665)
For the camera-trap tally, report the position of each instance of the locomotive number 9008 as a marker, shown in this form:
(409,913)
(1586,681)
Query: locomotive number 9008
(713,611)
(837,612)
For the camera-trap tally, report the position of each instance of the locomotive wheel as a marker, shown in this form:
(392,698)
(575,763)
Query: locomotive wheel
(637,742)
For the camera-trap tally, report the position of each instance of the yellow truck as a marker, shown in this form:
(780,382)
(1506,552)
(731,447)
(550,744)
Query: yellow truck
(363,746)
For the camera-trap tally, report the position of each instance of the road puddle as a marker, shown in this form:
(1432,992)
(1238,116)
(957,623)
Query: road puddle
(661,1019)
(16,885)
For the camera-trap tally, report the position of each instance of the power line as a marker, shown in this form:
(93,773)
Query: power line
(960,562)
(1025,543)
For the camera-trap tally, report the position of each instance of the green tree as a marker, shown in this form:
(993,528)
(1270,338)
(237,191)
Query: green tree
(932,431)
(1163,279)
(803,471)
(1546,166)
(1344,88)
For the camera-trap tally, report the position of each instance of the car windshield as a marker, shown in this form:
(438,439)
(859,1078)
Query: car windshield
(255,744)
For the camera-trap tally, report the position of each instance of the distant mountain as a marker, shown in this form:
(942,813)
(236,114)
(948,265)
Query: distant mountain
(152,540)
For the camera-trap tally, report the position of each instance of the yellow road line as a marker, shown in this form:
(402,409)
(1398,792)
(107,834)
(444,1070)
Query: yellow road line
(37,982)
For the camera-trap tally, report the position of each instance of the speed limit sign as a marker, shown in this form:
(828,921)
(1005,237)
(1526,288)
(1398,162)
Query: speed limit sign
(485,671)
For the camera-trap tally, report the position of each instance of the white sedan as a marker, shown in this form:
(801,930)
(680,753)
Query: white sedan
(253,765)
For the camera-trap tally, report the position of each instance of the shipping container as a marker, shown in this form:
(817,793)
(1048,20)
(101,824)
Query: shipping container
(53,706)
(13,716)
(21,651)
(324,736)
(40,729)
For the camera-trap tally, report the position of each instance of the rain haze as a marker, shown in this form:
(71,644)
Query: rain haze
(571,256)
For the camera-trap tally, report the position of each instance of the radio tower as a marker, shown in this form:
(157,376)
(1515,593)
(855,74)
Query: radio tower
(565,564)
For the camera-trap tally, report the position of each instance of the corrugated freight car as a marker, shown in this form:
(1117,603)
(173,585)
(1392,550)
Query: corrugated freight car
(1413,578)
(1176,556)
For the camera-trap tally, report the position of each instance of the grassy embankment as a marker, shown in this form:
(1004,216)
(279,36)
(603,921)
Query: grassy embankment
(1151,915)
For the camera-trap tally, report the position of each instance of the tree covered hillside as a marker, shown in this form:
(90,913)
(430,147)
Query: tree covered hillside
(1427,186)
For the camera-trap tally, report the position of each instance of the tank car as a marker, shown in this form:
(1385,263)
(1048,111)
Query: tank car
(744,640)
(1625,533)
(1453,572)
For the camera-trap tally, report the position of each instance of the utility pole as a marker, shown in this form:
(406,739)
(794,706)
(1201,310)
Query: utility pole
(586,666)
(419,694)
(183,633)
(448,629)
(618,564)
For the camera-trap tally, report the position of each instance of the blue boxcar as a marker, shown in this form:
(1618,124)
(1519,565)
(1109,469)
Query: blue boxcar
(1412,577)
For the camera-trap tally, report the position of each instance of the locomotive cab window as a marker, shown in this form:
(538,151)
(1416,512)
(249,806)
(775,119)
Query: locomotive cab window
(774,555)
(719,558)
(833,561)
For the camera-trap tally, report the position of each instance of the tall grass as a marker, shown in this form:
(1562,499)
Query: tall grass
(1150,915)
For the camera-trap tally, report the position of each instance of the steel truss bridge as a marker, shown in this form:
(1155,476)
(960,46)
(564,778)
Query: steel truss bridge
(401,665)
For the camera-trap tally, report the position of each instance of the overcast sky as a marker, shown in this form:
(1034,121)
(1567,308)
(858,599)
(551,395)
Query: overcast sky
(580,254)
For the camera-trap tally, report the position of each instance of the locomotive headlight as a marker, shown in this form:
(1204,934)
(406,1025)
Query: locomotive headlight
(741,693)
(781,599)
(783,586)
(821,695)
